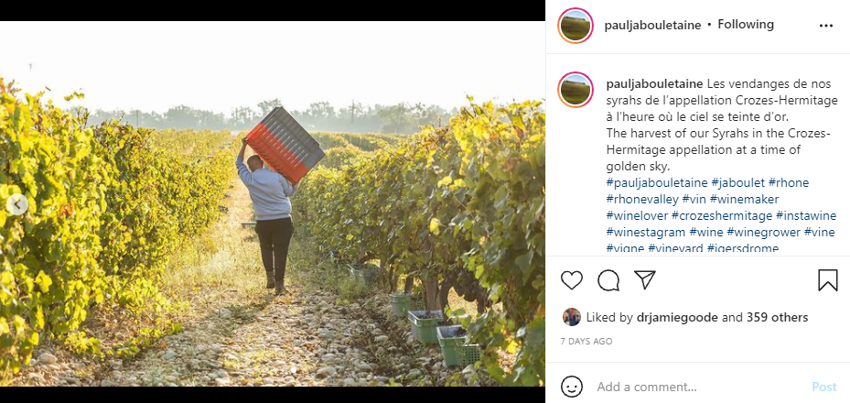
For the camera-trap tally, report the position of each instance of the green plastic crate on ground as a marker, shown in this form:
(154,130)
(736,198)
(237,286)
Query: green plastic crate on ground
(452,341)
(469,354)
(423,326)
(406,302)
(365,274)
(401,304)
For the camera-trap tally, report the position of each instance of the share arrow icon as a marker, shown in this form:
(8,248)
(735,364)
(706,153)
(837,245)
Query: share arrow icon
(645,276)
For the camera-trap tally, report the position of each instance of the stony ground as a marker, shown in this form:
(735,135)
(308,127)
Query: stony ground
(302,340)
(237,334)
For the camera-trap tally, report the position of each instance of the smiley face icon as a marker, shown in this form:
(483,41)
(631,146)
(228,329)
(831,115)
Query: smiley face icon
(571,386)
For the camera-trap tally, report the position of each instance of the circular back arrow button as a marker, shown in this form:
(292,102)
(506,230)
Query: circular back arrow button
(17,204)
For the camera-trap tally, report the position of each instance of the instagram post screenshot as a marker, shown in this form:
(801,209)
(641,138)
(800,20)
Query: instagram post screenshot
(307,204)
(358,199)
(695,247)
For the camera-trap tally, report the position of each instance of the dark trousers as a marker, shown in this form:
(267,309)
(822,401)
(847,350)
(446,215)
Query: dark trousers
(274,244)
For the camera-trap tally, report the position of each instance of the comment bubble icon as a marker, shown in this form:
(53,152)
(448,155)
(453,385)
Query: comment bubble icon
(609,280)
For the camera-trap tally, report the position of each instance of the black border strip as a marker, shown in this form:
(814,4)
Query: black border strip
(310,10)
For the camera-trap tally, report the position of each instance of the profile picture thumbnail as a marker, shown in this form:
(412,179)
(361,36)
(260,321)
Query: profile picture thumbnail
(575,89)
(572,316)
(575,25)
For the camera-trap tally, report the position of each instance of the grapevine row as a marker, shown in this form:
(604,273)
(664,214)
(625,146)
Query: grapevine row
(106,208)
(463,207)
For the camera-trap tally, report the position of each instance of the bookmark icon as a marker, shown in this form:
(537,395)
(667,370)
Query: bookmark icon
(645,276)
(828,277)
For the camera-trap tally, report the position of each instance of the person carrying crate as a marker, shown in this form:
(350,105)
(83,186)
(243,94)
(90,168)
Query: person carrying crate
(270,192)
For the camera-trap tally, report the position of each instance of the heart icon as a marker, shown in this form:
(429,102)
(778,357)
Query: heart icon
(571,279)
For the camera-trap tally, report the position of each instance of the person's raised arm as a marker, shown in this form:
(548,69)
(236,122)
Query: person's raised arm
(288,188)
(241,156)
(244,173)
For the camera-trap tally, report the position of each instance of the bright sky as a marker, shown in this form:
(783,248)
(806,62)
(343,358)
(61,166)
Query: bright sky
(577,78)
(578,14)
(221,65)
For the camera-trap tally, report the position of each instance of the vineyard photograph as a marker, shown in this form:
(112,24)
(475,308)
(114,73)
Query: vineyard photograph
(338,215)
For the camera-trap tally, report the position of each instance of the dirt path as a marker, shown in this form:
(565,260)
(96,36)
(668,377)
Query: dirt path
(237,334)
(305,340)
